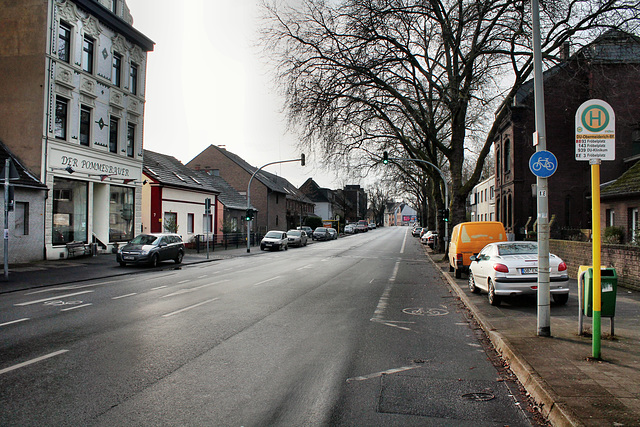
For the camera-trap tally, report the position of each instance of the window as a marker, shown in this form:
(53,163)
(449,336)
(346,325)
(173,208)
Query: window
(116,69)
(113,134)
(64,42)
(633,226)
(131,132)
(121,213)
(170,222)
(61,118)
(610,218)
(85,125)
(507,156)
(87,54)
(114,6)
(133,79)
(21,219)
(190,222)
(69,217)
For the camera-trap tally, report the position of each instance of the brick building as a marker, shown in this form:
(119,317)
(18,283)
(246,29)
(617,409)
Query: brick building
(607,69)
(72,97)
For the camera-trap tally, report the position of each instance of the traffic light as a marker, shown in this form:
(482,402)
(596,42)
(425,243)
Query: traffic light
(385,157)
(445,216)
(440,214)
(249,215)
(302,160)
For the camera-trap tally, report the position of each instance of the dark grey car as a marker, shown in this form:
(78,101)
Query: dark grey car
(151,249)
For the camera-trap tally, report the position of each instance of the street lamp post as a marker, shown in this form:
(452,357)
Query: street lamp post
(249,221)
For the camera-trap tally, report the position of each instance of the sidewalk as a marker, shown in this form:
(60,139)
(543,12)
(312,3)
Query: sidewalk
(57,272)
(570,388)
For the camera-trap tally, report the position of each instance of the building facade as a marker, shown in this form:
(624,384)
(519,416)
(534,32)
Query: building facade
(482,200)
(72,109)
(606,69)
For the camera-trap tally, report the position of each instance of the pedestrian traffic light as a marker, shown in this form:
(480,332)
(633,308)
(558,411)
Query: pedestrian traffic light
(302,160)
(385,157)
(249,215)
(446,215)
(440,214)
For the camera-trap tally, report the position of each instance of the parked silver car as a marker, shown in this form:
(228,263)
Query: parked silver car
(297,238)
(151,249)
(333,232)
(274,240)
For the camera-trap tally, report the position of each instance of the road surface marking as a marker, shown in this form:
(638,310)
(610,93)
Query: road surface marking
(395,272)
(268,280)
(15,321)
(22,304)
(77,306)
(126,295)
(158,287)
(187,290)
(404,241)
(31,362)
(69,288)
(190,307)
(183,281)
(304,268)
(203,277)
(379,374)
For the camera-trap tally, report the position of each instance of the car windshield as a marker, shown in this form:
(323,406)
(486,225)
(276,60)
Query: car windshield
(144,239)
(320,230)
(274,235)
(518,248)
(293,233)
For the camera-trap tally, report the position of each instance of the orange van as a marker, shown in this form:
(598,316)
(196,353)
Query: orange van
(468,238)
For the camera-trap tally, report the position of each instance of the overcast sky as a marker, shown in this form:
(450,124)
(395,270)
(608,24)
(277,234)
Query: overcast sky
(206,84)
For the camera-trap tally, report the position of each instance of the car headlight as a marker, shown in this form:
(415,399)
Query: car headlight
(145,251)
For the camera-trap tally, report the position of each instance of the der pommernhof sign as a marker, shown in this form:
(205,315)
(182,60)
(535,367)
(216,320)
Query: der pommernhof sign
(595,131)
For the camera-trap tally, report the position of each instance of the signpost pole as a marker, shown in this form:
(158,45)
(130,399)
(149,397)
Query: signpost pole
(544,312)
(7,168)
(597,290)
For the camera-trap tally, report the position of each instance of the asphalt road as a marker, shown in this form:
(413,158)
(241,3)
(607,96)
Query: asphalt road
(357,331)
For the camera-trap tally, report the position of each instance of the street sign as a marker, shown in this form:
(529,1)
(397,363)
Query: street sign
(543,164)
(595,131)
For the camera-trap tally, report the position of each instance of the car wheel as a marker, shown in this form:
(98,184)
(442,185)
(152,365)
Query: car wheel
(458,273)
(178,259)
(494,299)
(155,259)
(560,299)
(472,285)
(451,269)
(286,247)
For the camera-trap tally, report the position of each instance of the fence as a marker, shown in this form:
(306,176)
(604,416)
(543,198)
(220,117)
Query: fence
(223,241)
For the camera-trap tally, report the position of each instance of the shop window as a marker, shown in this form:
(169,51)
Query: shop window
(21,219)
(69,211)
(121,213)
(64,42)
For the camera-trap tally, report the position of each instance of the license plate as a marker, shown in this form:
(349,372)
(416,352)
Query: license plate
(529,270)
(128,258)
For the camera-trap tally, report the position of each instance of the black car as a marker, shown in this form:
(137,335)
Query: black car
(151,249)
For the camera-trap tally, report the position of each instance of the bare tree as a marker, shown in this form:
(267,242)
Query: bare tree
(421,78)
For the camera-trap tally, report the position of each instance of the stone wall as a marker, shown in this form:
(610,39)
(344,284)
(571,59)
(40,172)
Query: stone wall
(625,259)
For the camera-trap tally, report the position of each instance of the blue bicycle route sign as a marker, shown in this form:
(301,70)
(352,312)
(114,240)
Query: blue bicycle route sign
(543,164)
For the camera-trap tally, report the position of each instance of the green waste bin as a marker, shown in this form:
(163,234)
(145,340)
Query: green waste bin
(609,285)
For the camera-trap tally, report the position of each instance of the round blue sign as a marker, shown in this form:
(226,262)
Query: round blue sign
(543,164)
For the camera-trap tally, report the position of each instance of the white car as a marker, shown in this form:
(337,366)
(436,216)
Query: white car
(504,269)
(349,229)
(274,240)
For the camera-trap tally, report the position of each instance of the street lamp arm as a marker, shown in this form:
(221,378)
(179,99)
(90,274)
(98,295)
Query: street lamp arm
(301,159)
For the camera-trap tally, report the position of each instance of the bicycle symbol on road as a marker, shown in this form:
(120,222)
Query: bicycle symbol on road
(543,162)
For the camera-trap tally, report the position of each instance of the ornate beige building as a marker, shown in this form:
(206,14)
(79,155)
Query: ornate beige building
(72,98)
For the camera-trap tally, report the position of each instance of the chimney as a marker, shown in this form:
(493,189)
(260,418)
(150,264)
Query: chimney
(565,51)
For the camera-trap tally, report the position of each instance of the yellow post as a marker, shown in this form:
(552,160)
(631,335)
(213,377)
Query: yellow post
(597,285)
